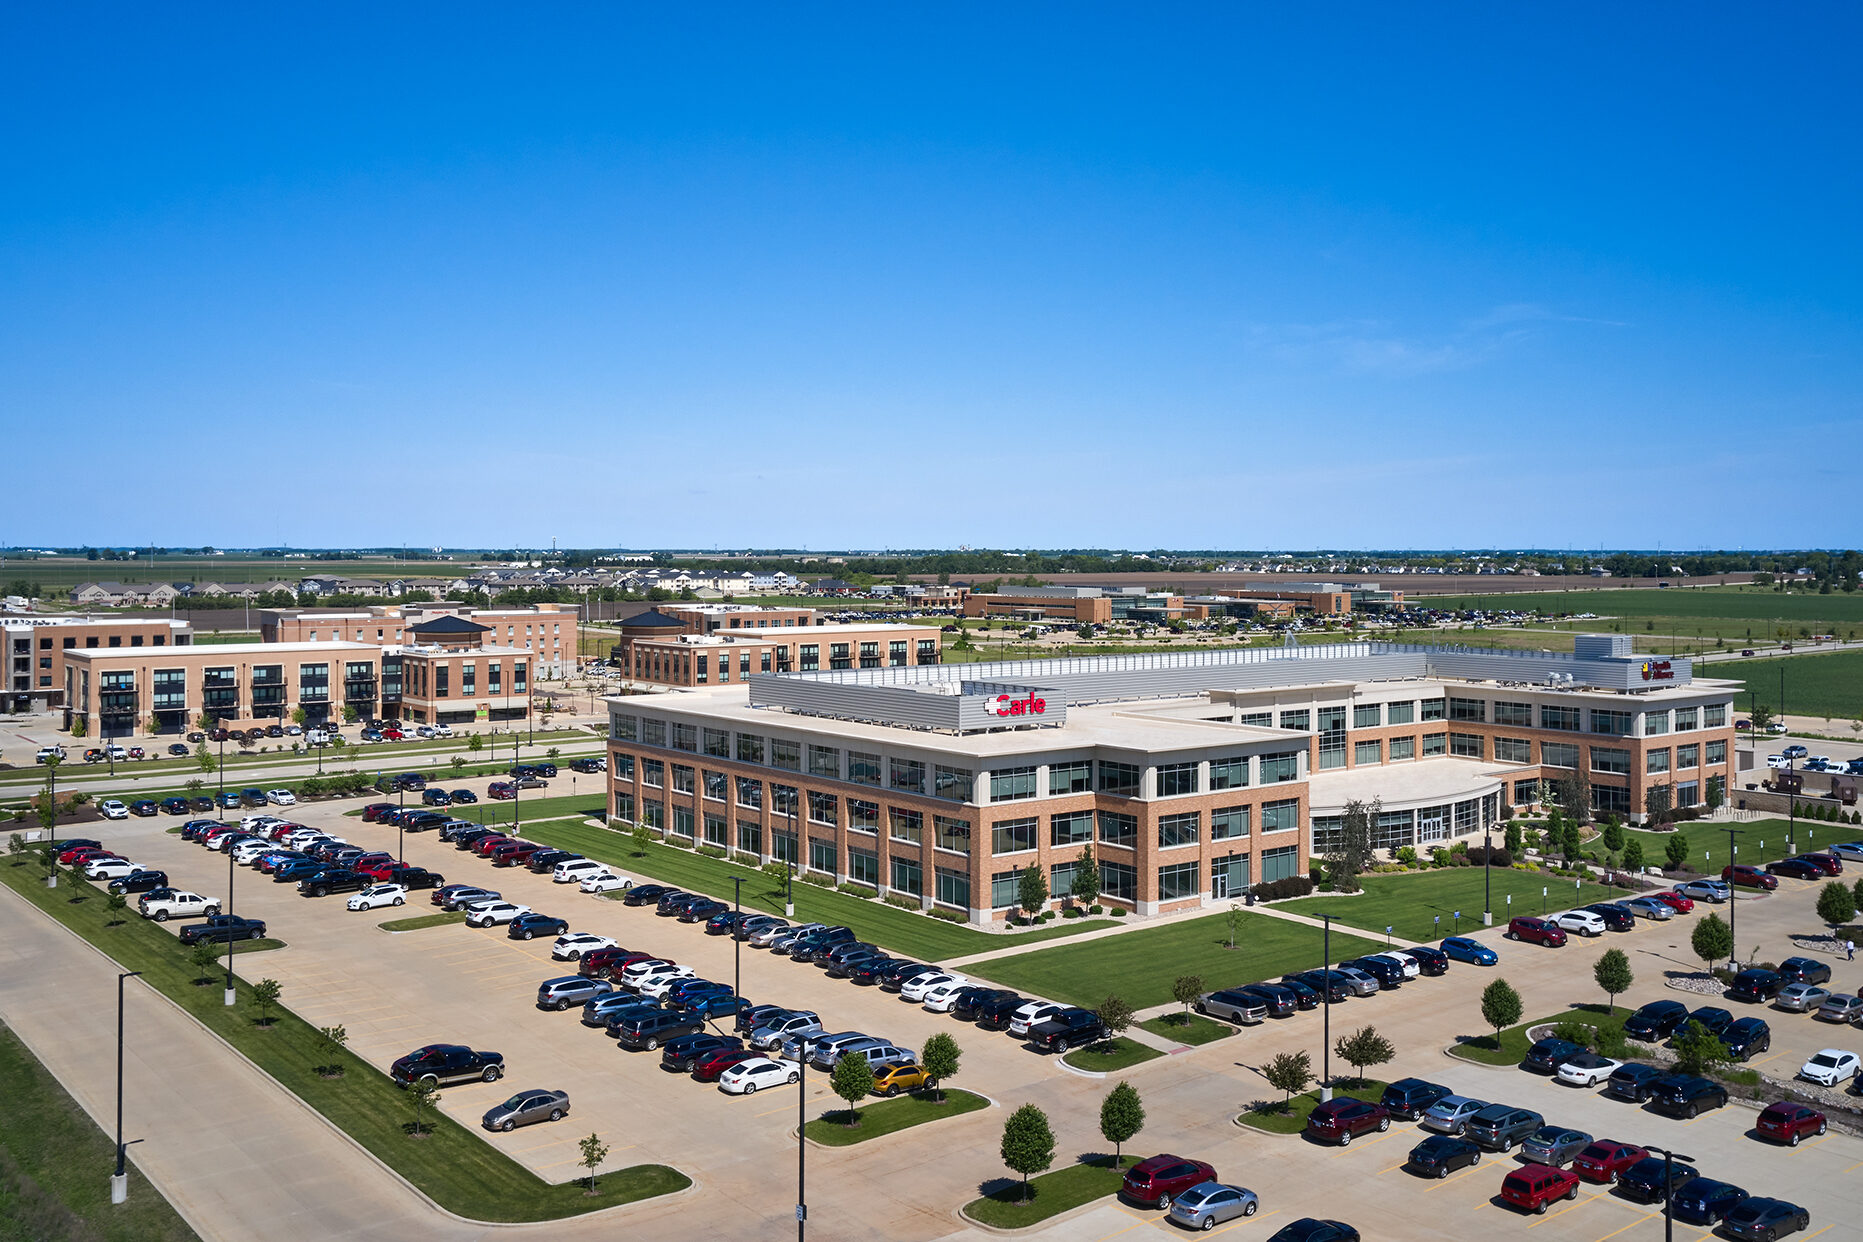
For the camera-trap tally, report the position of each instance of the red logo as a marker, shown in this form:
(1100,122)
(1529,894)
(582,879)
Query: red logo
(1657,670)
(1003,705)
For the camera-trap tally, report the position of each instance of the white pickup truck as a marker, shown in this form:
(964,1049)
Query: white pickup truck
(174,903)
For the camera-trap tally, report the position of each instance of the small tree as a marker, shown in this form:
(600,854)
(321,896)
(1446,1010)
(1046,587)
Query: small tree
(1289,1073)
(1697,1049)
(17,847)
(1122,1116)
(1028,1144)
(642,836)
(594,1151)
(1633,856)
(1115,1015)
(299,717)
(1234,919)
(1837,905)
(1185,989)
(1364,1047)
(203,758)
(1675,851)
(939,1061)
(1715,793)
(1032,891)
(1762,717)
(426,1096)
(351,716)
(204,955)
(1712,940)
(332,1039)
(1614,975)
(1614,835)
(1085,888)
(1512,836)
(1352,849)
(116,903)
(1500,1007)
(852,1080)
(265,994)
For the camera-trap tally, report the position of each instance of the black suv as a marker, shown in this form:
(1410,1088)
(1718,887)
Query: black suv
(1410,1098)
(1746,1037)
(994,1014)
(1656,1021)
(1632,1081)
(1388,973)
(1430,961)
(223,928)
(416,877)
(1644,1179)
(333,880)
(588,765)
(1279,999)
(1755,985)
(1684,1095)
(1549,1054)
(1615,916)
(1714,1020)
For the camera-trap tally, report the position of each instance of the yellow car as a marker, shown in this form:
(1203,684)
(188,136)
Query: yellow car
(896,1078)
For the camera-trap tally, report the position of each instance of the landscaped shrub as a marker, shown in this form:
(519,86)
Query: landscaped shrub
(1280,890)
(684,843)
(712,851)
(1499,858)
(1096,908)
(1072,912)
(746,860)
(948,916)
(817,878)
(853,889)
(902,901)
(1119,912)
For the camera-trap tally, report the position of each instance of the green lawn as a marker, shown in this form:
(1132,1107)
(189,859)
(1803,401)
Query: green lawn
(1815,685)
(1745,604)
(453,1165)
(419,921)
(891,1116)
(1050,1194)
(1760,841)
(1513,1044)
(1117,1054)
(1269,1115)
(1140,965)
(898,930)
(590,805)
(1411,902)
(54,1163)
(1199,1030)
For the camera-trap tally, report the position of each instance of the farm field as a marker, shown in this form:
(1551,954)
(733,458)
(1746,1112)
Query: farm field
(59,574)
(1744,604)
(1815,685)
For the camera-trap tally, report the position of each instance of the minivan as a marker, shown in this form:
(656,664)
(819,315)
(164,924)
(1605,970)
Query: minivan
(1533,1186)
(876,1052)
(824,1050)
(647,1031)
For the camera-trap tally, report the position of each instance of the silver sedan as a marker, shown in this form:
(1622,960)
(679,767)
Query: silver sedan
(1650,908)
(1801,997)
(1208,1204)
(525,1108)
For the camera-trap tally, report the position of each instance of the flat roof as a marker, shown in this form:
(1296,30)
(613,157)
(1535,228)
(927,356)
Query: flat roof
(1409,783)
(235,650)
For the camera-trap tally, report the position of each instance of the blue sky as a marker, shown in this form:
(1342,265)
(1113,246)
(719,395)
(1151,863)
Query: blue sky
(887,276)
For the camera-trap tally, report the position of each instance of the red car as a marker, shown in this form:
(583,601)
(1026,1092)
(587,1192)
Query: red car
(1605,1159)
(1829,864)
(78,855)
(1155,1182)
(373,811)
(377,867)
(484,846)
(1749,877)
(1674,900)
(392,735)
(1787,1123)
(709,1066)
(502,790)
(605,963)
(1340,1121)
(1532,1187)
(1536,931)
(512,853)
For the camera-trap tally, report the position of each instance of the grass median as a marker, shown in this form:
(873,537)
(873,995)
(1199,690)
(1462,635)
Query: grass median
(899,931)
(452,1165)
(1139,966)
(53,1160)
(419,921)
(1420,906)
(1004,1206)
(1290,1116)
(892,1116)
(1198,1030)
(1110,1055)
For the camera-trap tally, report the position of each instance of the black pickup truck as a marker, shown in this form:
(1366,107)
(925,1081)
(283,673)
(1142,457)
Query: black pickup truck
(223,928)
(333,880)
(1071,1028)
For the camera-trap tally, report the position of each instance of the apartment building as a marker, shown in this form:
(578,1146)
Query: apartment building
(676,657)
(1189,776)
(546,632)
(36,647)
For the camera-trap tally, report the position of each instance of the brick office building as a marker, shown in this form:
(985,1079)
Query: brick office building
(547,632)
(35,650)
(1189,775)
(700,647)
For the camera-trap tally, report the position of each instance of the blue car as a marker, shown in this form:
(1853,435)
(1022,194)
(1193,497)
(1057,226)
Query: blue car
(713,1005)
(1463,949)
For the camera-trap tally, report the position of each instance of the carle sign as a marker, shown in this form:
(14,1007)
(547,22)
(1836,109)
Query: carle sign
(1003,705)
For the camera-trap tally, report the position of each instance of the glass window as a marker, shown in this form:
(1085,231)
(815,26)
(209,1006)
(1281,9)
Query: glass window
(1230,772)
(1122,780)
(1618,724)
(1714,716)
(1178,881)
(1332,733)
(716,831)
(1278,864)
(1685,718)
(652,812)
(822,856)
(684,779)
(1259,720)
(1432,709)
(652,772)
(1513,750)
(652,732)
(1283,765)
(1519,715)
(1468,745)
(1073,777)
(1071,828)
(1400,713)
(1655,724)
(1367,754)
(1327,830)
(783,847)
(1175,830)
(1012,836)
(952,784)
(1563,718)
(749,793)
(1280,816)
(1177,778)
(1005,888)
(907,774)
(905,825)
(908,877)
(825,762)
(863,768)
(863,866)
(1119,880)
(1432,824)
(1228,821)
(749,748)
(862,815)
(1654,761)
(951,834)
(1012,784)
(1296,718)
(1117,829)
(1610,799)
(718,743)
(1403,748)
(1688,756)
(715,785)
(1717,752)
(1367,715)
(750,837)
(1061,877)
(1394,830)
(823,807)
(1610,759)
(1559,754)
(785,754)
(682,821)
(1469,711)
(624,807)
(1435,744)
(785,799)
(1688,793)
(685,737)
(953,887)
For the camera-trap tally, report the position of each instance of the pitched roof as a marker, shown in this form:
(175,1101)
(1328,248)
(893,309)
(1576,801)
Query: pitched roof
(655,619)
(449,624)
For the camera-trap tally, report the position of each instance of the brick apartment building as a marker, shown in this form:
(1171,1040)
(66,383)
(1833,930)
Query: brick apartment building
(546,631)
(36,648)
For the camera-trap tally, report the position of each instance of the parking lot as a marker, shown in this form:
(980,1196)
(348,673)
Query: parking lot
(451,983)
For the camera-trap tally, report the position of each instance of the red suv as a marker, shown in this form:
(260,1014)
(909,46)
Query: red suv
(1829,864)
(601,963)
(484,846)
(373,811)
(1787,1123)
(1537,930)
(513,853)
(1604,1160)
(376,866)
(708,1067)
(1749,877)
(1155,1182)
(1340,1121)
(1531,1187)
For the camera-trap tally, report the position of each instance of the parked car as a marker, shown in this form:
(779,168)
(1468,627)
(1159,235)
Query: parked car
(1586,1069)
(1409,1098)
(1746,876)
(1547,1055)
(1466,949)
(1617,917)
(1715,892)
(1070,1028)
(890,1080)
(1499,1127)
(222,929)
(1341,1120)
(1159,1180)
(750,1076)
(1793,869)
(1208,1204)
(1841,1007)
(1605,1160)
(1535,930)
(493,913)
(1633,1081)
(1656,1021)
(1450,1115)
(1651,1179)
(1830,1067)
(1711,1018)
(1277,1000)
(1788,1122)
(1704,1201)
(681,1055)
(142,881)
(1386,971)
(1755,985)
(1535,1187)
(1554,1145)
(1801,997)
(1747,1036)
(379,895)
(1578,922)
(1765,1219)
(1684,1095)
(1313,1229)
(1804,970)
(447,1063)
(1652,908)
(566,990)
(1439,1155)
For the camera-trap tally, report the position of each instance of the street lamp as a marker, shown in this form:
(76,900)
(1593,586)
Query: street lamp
(119,1181)
(1326,1000)
(1733,899)
(1668,1191)
(1487,874)
(802,1142)
(220,728)
(231,997)
(737,943)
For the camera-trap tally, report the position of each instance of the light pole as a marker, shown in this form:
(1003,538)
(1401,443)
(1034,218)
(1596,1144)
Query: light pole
(802,1143)
(1733,900)
(1668,1189)
(1487,874)
(737,944)
(231,996)
(119,1181)
(789,880)
(221,730)
(1326,1001)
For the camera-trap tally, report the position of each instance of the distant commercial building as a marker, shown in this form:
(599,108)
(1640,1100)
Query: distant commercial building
(547,632)
(36,648)
(698,647)
(1187,776)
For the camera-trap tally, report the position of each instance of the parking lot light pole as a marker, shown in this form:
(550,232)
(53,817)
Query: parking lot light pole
(1487,874)
(1326,1001)
(119,1181)
(1733,898)
(231,997)
(221,730)
(737,945)
(802,1142)
(1668,1192)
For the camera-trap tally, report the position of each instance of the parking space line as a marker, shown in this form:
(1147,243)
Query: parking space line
(1647,1216)
(1400,1164)
(1367,1143)
(1464,1175)
(1808,1237)
(1553,1216)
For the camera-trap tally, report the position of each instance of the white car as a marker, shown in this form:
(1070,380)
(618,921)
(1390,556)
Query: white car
(1851,850)
(1588,1070)
(1583,922)
(750,1077)
(660,982)
(298,837)
(248,852)
(605,882)
(493,913)
(1778,761)
(442,731)
(423,731)
(1026,1017)
(292,730)
(281,797)
(1830,1067)
(632,975)
(112,809)
(1402,961)
(258,823)
(108,868)
(916,988)
(941,997)
(573,870)
(380,895)
(570,946)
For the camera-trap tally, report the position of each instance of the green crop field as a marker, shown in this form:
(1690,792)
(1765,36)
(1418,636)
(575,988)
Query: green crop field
(59,574)
(1745,604)
(1815,685)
